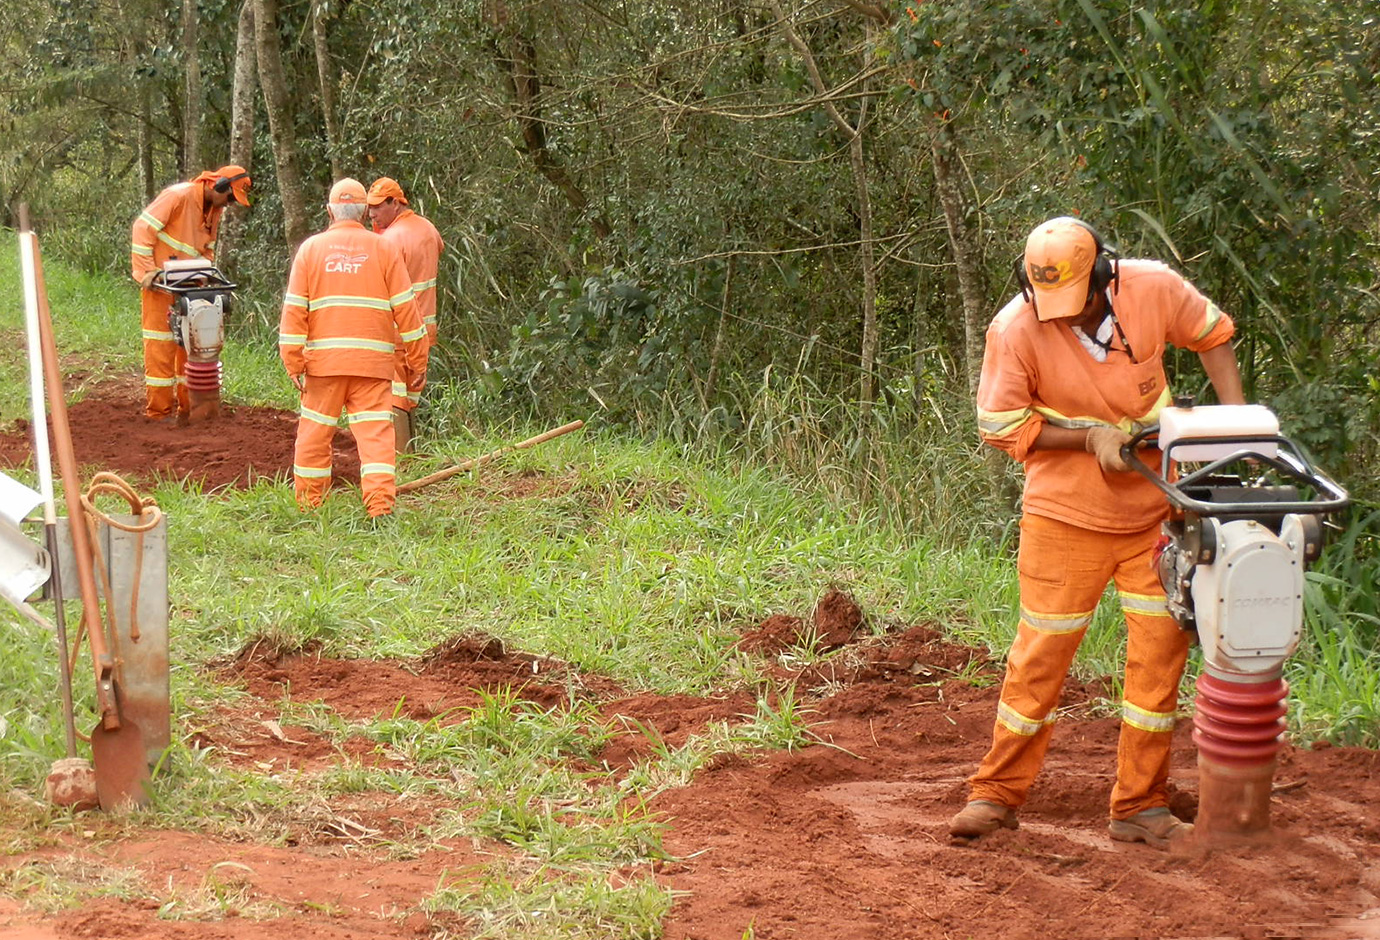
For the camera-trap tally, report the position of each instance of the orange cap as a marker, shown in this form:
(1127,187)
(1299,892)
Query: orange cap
(347,191)
(1059,256)
(236,178)
(384,188)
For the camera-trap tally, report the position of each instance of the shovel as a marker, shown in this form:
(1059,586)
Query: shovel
(117,746)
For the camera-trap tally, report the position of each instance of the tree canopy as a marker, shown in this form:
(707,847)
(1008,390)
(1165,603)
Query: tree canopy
(677,213)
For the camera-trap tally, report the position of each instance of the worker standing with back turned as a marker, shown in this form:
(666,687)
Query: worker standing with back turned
(421,247)
(348,307)
(181,223)
(1073,366)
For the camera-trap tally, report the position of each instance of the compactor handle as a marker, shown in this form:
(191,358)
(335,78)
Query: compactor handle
(206,280)
(1288,460)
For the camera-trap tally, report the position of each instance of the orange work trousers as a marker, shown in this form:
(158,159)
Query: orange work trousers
(165,362)
(368,411)
(1063,571)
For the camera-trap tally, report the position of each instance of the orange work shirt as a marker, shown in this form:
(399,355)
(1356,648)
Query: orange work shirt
(177,224)
(1036,373)
(348,304)
(421,247)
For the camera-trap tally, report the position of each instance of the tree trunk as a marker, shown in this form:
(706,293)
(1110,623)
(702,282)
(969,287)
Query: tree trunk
(516,56)
(867,390)
(919,328)
(867,353)
(278,104)
(242,93)
(972,289)
(243,90)
(193,105)
(716,352)
(325,77)
(967,254)
(146,178)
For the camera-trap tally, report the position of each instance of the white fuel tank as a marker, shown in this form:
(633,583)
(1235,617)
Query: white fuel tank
(1217,421)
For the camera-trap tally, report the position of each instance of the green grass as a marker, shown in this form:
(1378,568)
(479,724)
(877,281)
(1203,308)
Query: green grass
(630,559)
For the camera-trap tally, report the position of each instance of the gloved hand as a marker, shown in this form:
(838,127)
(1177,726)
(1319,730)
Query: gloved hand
(417,382)
(146,281)
(1105,443)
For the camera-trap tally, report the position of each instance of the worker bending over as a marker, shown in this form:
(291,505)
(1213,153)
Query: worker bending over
(1073,366)
(181,223)
(348,307)
(421,247)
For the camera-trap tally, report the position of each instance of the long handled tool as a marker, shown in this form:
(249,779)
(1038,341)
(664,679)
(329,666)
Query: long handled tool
(117,746)
(474,462)
(43,461)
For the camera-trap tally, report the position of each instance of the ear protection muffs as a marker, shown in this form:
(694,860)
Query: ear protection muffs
(223,184)
(1106,268)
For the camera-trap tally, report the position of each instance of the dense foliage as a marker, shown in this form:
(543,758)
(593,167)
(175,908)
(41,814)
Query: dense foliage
(656,212)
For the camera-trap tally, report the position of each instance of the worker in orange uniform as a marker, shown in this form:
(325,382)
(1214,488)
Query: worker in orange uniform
(1073,366)
(421,247)
(181,223)
(348,306)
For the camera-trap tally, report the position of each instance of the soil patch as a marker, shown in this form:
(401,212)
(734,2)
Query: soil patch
(245,444)
(845,838)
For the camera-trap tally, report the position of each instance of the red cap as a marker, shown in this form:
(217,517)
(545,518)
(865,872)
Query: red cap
(1059,256)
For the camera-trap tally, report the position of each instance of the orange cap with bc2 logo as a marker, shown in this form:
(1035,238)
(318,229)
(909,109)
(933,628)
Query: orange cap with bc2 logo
(1059,256)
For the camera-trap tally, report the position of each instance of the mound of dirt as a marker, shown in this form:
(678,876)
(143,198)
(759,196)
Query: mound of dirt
(845,838)
(835,622)
(110,432)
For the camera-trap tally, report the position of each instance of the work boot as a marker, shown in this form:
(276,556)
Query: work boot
(979,818)
(1157,827)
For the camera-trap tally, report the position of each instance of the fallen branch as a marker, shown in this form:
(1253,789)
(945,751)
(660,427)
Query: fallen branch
(474,462)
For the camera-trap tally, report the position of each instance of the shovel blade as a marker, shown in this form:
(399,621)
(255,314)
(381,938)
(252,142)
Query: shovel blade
(121,763)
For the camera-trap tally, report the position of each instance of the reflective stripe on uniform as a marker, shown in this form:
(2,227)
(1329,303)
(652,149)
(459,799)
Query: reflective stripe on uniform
(151,221)
(413,335)
(1016,723)
(176,245)
(1138,717)
(400,389)
(344,300)
(1129,425)
(429,318)
(1213,315)
(159,334)
(1002,423)
(317,416)
(401,298)
(294,300)
(1055,623)
(292,339)
(158,381)
(315,473)
(361,416)
(1065,421)
(1147,605)
(350,342)
(144,250)
(376,469)
(420,286)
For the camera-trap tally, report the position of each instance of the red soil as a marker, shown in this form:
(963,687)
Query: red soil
(845,838)
(110,432)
